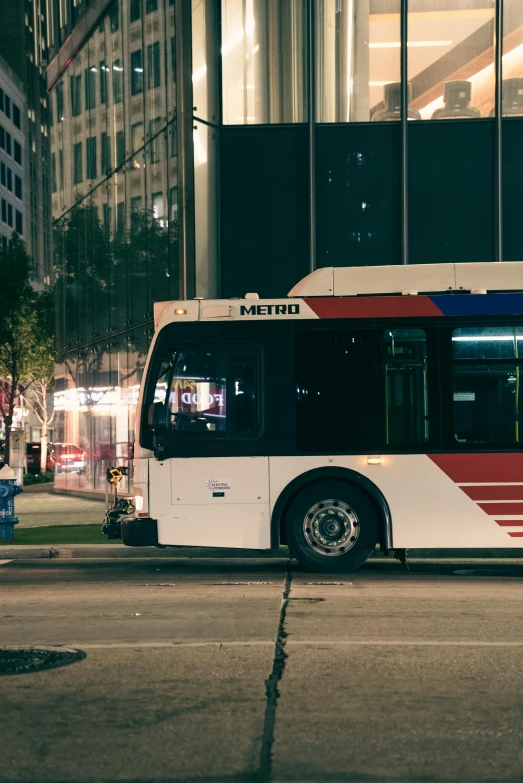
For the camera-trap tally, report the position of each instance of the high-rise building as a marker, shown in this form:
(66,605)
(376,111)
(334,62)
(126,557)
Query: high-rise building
(13,123)
(23,46)
(215,147)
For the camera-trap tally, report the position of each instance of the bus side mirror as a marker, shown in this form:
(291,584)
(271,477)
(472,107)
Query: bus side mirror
(157,416)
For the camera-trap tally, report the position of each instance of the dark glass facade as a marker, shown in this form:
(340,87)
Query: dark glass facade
(226,146)
(115,201)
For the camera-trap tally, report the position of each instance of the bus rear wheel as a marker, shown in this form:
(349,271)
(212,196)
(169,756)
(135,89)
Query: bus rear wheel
(331,526)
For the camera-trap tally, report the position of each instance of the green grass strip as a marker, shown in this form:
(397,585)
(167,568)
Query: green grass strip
(59,534)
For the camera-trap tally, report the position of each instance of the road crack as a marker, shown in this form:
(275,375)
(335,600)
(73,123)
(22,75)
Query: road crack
(271,688)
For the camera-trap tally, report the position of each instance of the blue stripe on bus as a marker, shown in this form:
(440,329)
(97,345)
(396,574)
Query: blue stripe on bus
(479,304)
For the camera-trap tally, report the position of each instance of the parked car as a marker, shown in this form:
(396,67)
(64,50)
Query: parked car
(33,453)
(68,457)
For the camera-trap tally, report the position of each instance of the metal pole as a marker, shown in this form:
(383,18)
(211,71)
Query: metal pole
(311,35)
(404,97)
(498,113)
(184,121)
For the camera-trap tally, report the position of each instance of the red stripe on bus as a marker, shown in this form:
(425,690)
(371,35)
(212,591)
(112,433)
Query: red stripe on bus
(476,468)
(503,509)
(373,307)
(510,522)
(494,493)
(516,535)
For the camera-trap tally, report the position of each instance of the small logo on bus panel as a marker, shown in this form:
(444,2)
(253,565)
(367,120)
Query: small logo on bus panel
(218,485)
(270,309)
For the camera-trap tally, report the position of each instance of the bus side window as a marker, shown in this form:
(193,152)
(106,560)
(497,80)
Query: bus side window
(406,386)
(486,384)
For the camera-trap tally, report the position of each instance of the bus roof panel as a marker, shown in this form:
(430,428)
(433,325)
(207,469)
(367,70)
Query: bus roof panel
(414,278)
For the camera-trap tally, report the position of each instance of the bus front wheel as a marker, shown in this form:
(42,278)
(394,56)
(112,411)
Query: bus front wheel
(331,526)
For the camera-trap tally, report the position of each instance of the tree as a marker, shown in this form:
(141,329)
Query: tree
(15,317)
(26,335)
(39,378)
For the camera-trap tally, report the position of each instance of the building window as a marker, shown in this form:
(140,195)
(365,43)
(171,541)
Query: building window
(151,5)
(173,57)
(7,111)
(77,163)
(17,118)
(117,81)
(90,87)
(10,216)
(19,224)
(75,87)
(157,139)
(153,65)
(61,165)
(3,180)
(53,173)
(136,208)
(173,205)
(106,212)
(120,220)
(18,152)
(106,153)
(136,136)
(9,179)
(4,210)
(103,82)
(174,140)
(120,147)
(135,10)
(18,187)
(60,102)
(136,72)
(8,146)
(264,68)
(2,97)
(158,207)
(114,17)
(90,150)
(2,138)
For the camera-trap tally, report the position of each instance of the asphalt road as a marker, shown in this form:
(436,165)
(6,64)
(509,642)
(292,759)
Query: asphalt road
(248,671)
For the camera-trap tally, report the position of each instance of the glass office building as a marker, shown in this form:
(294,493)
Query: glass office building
(213,148)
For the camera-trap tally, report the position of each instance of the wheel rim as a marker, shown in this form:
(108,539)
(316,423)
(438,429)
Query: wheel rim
(331,527)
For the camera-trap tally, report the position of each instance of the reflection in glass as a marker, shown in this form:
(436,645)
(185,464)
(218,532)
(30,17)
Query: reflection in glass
(263,61)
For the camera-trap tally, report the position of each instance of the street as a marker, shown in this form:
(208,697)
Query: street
(378,675)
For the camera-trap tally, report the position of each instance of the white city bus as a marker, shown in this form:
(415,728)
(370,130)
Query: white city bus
(372,406)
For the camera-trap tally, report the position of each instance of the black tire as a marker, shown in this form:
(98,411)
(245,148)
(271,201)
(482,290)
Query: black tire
(357,523)
(137,531)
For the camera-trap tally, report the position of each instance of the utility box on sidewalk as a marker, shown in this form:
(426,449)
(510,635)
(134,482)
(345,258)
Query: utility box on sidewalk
(17,454)
(8,492)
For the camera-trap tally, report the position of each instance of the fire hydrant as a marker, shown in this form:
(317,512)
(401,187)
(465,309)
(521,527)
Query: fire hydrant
(8,492)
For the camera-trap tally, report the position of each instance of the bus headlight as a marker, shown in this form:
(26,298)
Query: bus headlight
(138,502)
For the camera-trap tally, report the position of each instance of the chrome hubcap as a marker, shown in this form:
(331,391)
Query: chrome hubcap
(331,527)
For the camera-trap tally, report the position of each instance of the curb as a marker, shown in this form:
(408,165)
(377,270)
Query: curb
(121,552)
